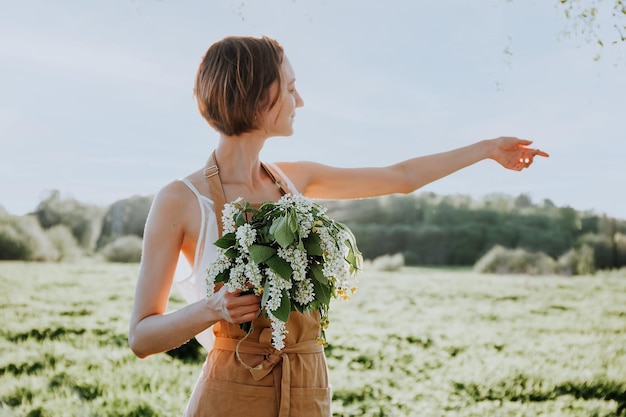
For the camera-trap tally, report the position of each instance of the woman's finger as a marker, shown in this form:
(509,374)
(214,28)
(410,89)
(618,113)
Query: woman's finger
(522,143)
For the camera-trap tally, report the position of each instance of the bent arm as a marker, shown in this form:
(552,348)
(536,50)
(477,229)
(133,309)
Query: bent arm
(324,182)
(168,230)
(151,329)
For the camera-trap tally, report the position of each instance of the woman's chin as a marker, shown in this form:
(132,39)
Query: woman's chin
(285,133)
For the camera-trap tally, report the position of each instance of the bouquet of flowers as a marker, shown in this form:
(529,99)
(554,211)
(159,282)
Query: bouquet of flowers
(291,253)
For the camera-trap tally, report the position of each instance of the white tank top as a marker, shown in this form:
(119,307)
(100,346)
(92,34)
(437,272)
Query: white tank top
(191,279)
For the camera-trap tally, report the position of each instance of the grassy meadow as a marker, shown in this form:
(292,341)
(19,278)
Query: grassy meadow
(419,342)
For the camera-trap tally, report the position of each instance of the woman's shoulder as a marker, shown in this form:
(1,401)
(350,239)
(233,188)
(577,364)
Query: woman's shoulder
(172,192)
(176,194)
(303,174)
(296,173)
(181,188)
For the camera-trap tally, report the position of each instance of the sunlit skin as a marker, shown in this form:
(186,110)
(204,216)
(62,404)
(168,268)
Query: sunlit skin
(174,221)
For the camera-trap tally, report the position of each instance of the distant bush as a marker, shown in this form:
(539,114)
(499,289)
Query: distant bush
(64,242)
(123,249)
(602,246)
(22,238)
(620,248)
(501,260)
(12,244)
(616,273)
(386,263)
(82,220)
(577,261)
(124,217)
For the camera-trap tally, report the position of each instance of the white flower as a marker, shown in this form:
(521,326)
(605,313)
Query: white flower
(245,235)
(297,259)
(277,284)
(228,215)
(253,274)
(278,332)
(237,276)
(303,207)
(305,225)
(221,264)
(304,292)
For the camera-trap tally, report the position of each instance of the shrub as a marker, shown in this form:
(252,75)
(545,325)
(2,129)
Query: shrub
(577,261)
(123,249)
(616,273)
(602,246)
(124,217)
(620,249)
(501,260)
(83,220)
(22,238)
(12,245)
(64,242)
(387,262)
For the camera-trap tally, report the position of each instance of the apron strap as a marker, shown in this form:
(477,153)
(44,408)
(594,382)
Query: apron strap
(276,178)
(211,173)
(217,191)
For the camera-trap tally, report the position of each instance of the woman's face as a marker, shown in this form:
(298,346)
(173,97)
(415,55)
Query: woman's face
(279,118)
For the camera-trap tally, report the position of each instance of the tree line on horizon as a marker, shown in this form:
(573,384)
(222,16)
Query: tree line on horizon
(457,230)
(426,229)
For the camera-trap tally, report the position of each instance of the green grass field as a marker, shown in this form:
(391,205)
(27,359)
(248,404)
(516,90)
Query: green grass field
(420,342)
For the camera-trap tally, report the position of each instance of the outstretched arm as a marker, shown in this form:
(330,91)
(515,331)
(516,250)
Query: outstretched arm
(325,182)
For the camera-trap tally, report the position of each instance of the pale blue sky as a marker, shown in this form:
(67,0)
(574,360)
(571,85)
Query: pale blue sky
(96,97)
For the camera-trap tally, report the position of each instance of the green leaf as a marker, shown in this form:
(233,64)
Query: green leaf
(261,253)
(266,293)
(322,292)
(231,253)
(292,222)
(317,272)
(263,235)
(282,234)
(282,313)
(240,219)
(276,223)
(280,266)
(313,245)
(222,276)
(352,258)
(226,241)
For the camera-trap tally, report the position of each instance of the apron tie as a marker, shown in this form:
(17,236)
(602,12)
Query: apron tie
(271,358)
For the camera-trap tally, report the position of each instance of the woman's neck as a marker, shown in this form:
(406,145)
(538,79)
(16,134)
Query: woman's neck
(238,158)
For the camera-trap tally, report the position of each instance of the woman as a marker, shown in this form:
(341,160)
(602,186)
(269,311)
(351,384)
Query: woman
(245,88)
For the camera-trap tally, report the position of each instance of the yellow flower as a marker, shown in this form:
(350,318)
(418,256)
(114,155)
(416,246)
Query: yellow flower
(322,342)
(324,322)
